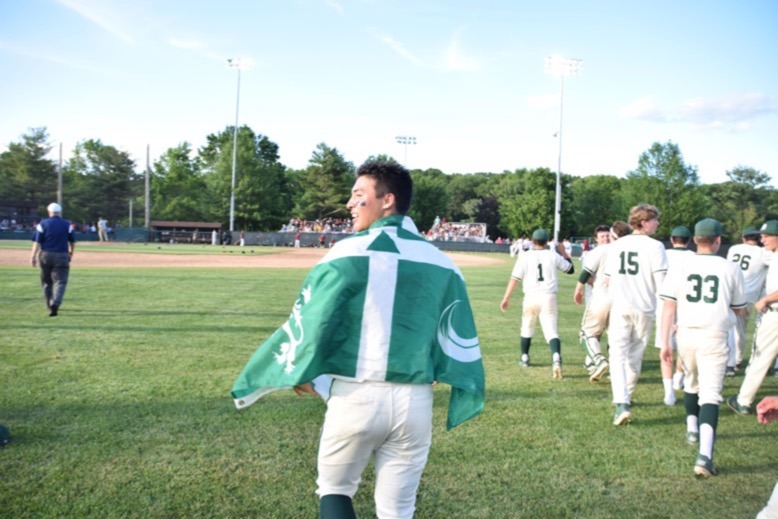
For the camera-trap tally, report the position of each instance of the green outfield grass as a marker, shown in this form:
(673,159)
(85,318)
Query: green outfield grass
(120,407)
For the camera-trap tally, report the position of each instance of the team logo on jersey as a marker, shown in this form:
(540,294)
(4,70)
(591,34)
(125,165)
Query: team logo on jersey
(458,348)
(294,331)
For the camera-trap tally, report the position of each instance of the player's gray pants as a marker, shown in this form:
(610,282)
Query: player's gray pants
(55,268)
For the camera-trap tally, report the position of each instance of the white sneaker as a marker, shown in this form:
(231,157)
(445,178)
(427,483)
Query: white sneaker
(599,370)
(556,371)
(678,381)
(670,399)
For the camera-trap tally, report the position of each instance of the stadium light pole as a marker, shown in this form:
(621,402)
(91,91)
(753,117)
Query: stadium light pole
(406,140)
(240,64)
(561,67)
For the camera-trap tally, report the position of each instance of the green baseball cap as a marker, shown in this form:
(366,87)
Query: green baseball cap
(750,231)
(769,227)
(708,227)
(540,235)
(681,232)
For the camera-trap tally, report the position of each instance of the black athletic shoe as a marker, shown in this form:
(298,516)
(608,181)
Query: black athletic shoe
(53,312)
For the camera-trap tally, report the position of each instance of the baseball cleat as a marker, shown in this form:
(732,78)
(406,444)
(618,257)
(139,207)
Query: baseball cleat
(730,371)
(692,437)
(622,416)
(599,370)
(670,400)
(556,371)
(704,467)
(524,361)
(733,404)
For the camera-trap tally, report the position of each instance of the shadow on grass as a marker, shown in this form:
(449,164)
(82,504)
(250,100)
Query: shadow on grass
(208,420)
(767,468)
(256,331)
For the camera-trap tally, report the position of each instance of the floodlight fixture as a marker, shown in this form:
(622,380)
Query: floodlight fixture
(405,140)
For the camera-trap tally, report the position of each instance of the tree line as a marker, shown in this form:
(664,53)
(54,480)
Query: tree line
(189,185)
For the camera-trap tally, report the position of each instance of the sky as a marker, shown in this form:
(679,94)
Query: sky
(466,79)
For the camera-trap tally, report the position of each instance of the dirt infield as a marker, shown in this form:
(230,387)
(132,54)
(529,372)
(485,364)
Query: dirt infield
(292,258)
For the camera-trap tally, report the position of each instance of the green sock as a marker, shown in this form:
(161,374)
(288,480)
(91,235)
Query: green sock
(555,345)
(691,404)
(335,506)
(525,345)
(709,414)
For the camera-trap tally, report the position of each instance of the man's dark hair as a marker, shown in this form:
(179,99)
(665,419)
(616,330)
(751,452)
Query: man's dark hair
(621,229)
(682,240)
(601,228)
(705,240)
(390,177)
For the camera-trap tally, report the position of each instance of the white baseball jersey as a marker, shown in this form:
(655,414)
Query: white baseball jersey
(636,264)
(594,264)
(677,257)
(705,288)
(771,282)
(754,262)
(536,269)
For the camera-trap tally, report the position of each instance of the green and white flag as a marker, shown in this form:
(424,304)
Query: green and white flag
(382,305)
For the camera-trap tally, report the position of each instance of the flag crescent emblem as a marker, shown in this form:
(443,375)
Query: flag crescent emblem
(458,348)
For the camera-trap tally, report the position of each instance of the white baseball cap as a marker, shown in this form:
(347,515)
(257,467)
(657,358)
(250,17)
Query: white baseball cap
(54,208)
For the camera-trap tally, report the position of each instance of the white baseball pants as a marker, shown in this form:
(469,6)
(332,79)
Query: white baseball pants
(704,354)
(762,358)
(391,421)
(737,337)
(543,307)
(628,333)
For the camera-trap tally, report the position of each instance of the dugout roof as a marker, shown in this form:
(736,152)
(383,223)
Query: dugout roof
(173,225)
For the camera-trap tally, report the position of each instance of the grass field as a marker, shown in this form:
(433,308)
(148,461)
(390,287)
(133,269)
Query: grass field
(148,248)
(120,407)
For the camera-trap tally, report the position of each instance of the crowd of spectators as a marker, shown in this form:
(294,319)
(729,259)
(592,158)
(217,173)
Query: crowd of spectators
(12,224)
(443,230)
(327,225)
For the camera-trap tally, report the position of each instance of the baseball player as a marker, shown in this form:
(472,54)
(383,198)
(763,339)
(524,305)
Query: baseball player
(635,268)
(537,269)
(701,294)
(598,304)
(766,340)
(754,261)
(677,255)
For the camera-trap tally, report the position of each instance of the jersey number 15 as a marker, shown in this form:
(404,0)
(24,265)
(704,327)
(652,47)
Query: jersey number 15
(629,263)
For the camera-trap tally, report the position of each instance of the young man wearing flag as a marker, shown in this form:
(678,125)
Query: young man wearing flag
(385,314)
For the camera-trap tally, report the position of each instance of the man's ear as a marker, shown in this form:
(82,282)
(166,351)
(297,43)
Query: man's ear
(388,201)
